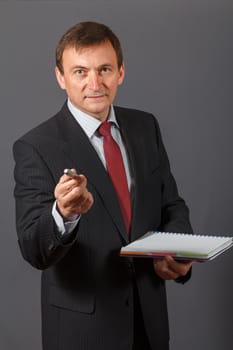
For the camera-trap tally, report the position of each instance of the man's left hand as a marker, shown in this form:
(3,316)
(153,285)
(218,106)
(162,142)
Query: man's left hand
(170,269)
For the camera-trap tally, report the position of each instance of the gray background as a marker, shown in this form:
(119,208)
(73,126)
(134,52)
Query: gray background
(178,57)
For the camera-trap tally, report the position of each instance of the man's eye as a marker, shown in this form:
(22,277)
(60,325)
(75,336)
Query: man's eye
(79,71)
(105,69)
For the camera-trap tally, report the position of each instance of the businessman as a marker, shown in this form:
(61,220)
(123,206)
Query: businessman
(117,187)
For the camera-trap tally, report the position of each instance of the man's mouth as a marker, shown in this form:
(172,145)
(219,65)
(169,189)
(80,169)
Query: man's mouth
(96,95)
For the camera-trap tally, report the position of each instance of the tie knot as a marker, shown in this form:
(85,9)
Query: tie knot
(105,129)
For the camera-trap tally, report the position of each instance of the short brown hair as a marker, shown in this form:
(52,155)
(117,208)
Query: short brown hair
(86,34)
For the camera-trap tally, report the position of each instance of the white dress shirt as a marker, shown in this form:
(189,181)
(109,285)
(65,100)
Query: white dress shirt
(90,125)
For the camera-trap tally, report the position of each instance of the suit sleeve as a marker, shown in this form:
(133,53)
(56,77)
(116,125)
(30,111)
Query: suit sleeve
(38,237)
(175,213)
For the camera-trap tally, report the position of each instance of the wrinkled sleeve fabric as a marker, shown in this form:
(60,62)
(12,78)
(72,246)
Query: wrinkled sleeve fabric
(39,238)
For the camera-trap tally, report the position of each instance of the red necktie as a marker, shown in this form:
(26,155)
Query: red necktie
(116,170)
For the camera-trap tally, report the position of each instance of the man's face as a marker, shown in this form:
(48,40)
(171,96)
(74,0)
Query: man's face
(91,78)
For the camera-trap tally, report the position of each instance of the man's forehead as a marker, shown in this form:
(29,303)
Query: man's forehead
(102,53)
(80,49)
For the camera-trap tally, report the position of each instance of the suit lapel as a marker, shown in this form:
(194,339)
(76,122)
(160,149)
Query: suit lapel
(84,158)
(134,146)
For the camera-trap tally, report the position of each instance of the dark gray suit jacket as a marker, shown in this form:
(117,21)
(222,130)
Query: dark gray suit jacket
(87,288)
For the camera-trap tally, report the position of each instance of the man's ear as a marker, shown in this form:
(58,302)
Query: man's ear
(60,78)
(121,74)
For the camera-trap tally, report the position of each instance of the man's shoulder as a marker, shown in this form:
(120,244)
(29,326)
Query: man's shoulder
(132,112)
(136,117)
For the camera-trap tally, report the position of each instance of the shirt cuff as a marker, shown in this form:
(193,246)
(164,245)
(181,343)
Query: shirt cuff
(64,227)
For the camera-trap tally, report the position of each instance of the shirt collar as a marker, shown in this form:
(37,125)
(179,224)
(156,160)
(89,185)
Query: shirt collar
(88,123)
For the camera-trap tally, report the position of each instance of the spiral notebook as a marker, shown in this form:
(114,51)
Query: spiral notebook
(179,245)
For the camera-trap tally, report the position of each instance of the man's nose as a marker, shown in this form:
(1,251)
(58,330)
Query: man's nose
(94,81)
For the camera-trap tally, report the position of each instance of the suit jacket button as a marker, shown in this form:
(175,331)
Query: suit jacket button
(130,266)
(51,246)
(127,302)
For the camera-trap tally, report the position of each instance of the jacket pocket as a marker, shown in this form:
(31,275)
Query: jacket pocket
(72,300)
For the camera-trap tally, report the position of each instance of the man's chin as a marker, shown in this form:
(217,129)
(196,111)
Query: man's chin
(98,113)
(98,107)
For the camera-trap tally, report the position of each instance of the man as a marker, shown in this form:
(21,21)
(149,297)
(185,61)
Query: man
(72,226)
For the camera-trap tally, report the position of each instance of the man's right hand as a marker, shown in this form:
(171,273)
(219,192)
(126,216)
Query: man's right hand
(72,196)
